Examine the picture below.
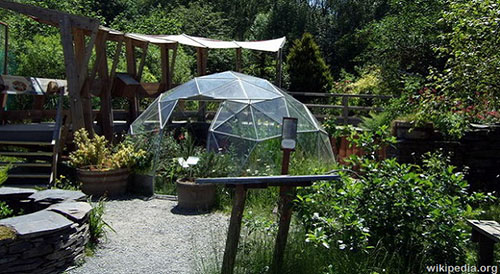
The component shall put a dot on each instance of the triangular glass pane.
(184, 91)
(221, 75)
(166, 108)
(255, 92)
(240, 125)
(275, 109)
(207, 85)
(148, 121)
(227, 110)
(232, 90)
(304, 123)
(265, 125)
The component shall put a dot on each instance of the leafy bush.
(96, 153)
(415, 210)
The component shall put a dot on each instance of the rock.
(75, 211)
(37, 251)
(53, 196)
(15, 193)
(37, 223)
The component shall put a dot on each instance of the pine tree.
(308, 70)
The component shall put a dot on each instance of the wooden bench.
(487, 234)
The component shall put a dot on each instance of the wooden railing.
(345, 116)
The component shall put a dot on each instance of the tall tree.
(308, 71)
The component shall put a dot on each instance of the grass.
(97, 226)
(256, 247)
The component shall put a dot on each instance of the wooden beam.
(279, 65)
(51, 16)
(71, 74)
(83, 84)
(132, 70)
(142, 62)
(106, 112)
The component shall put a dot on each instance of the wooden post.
(106, 113)
(202, 70)
(279, 65)
(170, 83)
(165, 67)
(80, 55)
(132, 70)
(345, 109)
(287, 193)
(486, 250)
(233, 233)
(77, 117)
(238, 59)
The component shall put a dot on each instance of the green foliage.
(5, 210)
(471, 49)
(308, 71)
(97, 225)
(42, 57)
(96, 153)
(417, 211)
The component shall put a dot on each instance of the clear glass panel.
(276, 109)
(232, 90)
(326, 148)
(148, 121)
(304, 122)
(207, 85)
(189, 89)
(265, 125)
(256, 92)
(227, 110)
(264, 159)
(240, 125)
(166, 108)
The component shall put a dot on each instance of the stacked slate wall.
(48, 240)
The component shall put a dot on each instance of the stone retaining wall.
(48, 240)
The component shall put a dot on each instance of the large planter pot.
(98, 183)
(406, 130)
(192, 196)
(142, 184)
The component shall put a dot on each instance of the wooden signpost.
(287, 186)
(241, 185)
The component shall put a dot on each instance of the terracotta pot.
(194, 196)
(97, 183)
(142, 185)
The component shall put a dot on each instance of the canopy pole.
(202, 54)
(279, 65)
(238, 59)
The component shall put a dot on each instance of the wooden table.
(487, 234)
(287, 186)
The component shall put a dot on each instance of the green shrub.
(415, 210)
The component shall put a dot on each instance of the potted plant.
(102, 168)
(143, 171)
(200, 197)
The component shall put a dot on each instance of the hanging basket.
(98, 183)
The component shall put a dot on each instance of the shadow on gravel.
(125, 197)
(181, 211)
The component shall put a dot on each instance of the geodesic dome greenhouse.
(248, 119)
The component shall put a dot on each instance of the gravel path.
(153, 237)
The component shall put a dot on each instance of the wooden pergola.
(80, 36)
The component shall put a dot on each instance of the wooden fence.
(346, 116)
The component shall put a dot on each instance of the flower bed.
(51, 237)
